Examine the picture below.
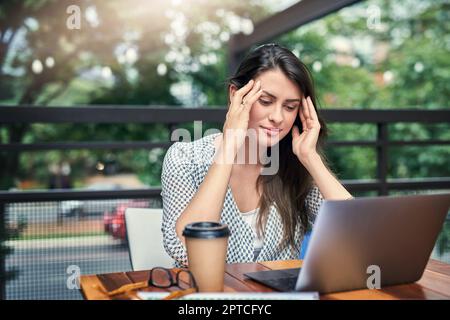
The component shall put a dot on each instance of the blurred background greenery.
(376, 54)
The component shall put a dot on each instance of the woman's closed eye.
(266, 102)
(291, 108)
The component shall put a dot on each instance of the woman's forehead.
(276, 83)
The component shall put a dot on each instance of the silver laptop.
(387, 237)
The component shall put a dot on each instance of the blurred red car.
(114, 222)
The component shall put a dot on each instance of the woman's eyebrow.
(274, 97)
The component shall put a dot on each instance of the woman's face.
(273, 114)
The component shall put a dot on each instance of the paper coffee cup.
(206, 244)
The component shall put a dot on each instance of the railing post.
(382, 157)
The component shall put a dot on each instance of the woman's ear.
(231, 90)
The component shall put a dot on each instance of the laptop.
(353, 240)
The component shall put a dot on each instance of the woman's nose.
(276, 115)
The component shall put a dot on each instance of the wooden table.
(435, 283)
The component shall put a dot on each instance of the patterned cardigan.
(184, 169)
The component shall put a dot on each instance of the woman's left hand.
(304, 144)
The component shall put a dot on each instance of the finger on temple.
(249, 103)
(312, 111)
(252, 92)
(305, 108)
(302, 118)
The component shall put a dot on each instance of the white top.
(251, 217)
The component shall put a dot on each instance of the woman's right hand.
(238, 115)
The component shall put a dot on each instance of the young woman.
(271, 95)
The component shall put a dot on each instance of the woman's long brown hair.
(290, 185)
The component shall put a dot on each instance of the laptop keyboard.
(282, 284)
(281, 280)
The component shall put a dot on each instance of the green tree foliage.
(112, 59)
(414, 73)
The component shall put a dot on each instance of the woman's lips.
(271, 132)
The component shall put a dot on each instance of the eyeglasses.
(161, 278)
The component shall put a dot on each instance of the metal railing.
(172, 116)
